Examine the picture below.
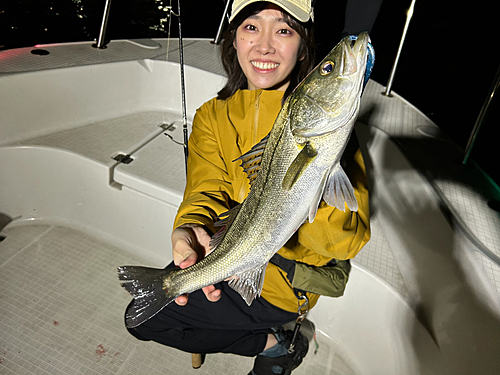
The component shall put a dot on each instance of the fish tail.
(147, 287)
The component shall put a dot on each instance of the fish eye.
(326, 68)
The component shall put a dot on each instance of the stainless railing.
(221, 24)
(409, 15)
(102, 32)
(482, 115)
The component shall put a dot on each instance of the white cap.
(300, 9)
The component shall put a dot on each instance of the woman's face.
(267, 49)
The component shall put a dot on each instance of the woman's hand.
(190, 243)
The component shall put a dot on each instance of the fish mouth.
(354, 54)
(264, 65)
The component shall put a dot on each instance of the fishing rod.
(183, 86)
(168, 18)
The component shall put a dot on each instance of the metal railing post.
(104, 24)
(409, 15)
(221, 25)
(481, 116)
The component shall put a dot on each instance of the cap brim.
(290, 8)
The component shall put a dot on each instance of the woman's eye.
(250, 27)
(284, 31)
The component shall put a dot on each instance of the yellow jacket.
(223, 130)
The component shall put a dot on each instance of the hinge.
(122, 158)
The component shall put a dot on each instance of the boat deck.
(62, 313)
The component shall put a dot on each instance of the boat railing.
(104, 23)
(482, 116)
(218, 36)
(409, 16)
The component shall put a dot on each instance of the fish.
(295, 166)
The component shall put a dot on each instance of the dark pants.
(226, 326)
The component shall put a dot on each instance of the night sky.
(447, 66)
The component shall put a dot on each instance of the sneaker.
(282, 365)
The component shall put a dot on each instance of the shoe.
(282, 365)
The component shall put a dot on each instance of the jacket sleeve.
(208, 188)
(333, 233)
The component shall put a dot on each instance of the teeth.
(264, 66)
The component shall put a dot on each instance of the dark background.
(447, 66)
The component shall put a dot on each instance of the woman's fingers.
(186, 249)
(189, 260)
(212, 294)
(182, 300)
(187, 241)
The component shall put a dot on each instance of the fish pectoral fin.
(249, 284)
(298, 166)
(339, 191)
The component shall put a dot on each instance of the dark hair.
(237, 79)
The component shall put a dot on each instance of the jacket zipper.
(243, 191)
(256, 120)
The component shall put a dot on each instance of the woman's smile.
(264, 66)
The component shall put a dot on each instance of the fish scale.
(299, 166)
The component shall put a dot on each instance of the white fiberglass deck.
(424, 295)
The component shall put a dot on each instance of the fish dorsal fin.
(250, 161)
(299, 165)
(339, 190)
(249, 284)
(226, 219)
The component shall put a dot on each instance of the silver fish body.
(300, 165)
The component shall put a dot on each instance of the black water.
(447, 66)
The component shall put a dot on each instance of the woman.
(266, 51)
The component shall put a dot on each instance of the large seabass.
(295, 166)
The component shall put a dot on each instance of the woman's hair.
(237, 79)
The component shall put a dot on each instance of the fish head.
(328, 98)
